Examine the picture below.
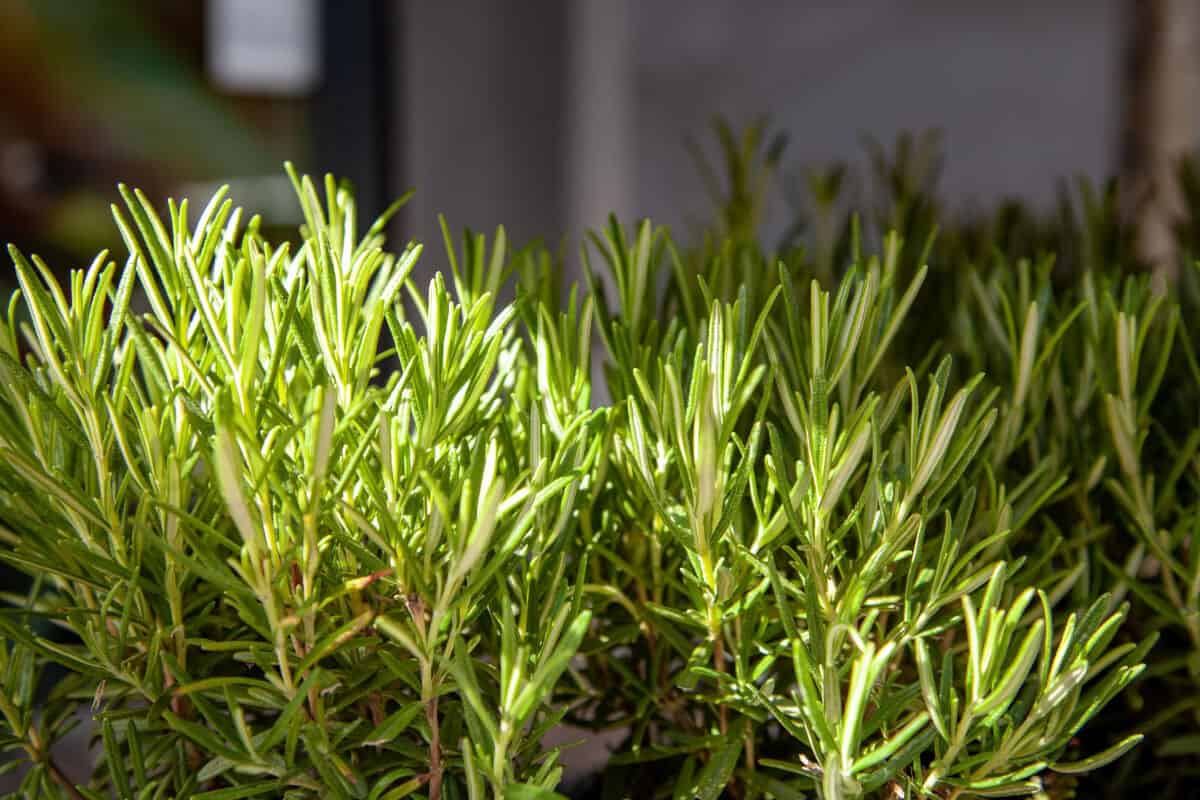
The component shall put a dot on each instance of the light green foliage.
(292, 568)
(313, 530)
(858, 588)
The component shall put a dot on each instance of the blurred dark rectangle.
(354, 125)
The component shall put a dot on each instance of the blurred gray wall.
(547, 114)
(1024, 91)
(482, 111)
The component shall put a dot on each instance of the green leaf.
(332, 641)
(238, 792)
(525, 791)
(891, 745)
(203, 737)
(716, 774)
(404, 789)
(394, 725)
(542, 682)
(113, 759)
(1111, 754)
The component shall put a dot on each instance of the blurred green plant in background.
(100, 92)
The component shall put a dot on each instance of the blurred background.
(548, 114)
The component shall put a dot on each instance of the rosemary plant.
(302, 528)
(287, 570)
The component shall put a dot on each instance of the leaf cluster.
(884, 516)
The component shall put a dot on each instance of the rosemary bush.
(302, 528)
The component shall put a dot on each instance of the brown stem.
(58, 777)
(719, 666)
(748, 748)
(182, 709)
(722, 711)
(435, 750)
(314, 694)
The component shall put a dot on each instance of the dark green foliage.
(880, 514)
